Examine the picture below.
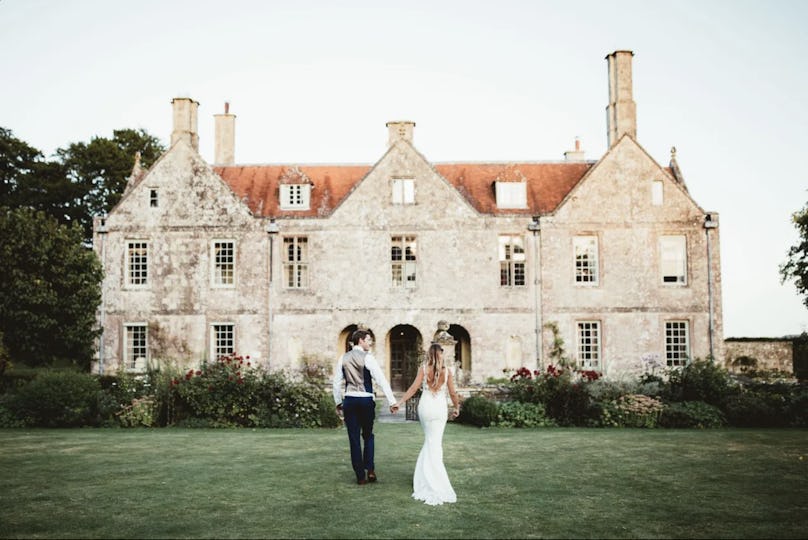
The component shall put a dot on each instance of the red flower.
(198, 372)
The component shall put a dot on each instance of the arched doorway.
(462, 347)
(406, 346)
(344, 342)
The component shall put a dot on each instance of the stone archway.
(344, 343)
(405, 346)
(462, 354)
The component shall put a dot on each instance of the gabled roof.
(547, 184)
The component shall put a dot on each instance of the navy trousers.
(359, 414)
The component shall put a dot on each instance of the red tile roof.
(547, 184)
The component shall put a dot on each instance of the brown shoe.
(371, 476)
(361, 481)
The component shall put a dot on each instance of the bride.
(430, 483)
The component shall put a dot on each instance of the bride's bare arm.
(453, 393)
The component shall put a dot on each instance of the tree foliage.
(49, 290)
(102, 167)
(796, 265)
(84, 179)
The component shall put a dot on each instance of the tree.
(49, 290)
(28, 180)
(796, 266)
(102, 167)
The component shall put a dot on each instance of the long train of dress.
(430, 483)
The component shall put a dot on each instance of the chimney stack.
(224, 147)
(575, 155)
(185, 114)
(400, 130)
(621, 113)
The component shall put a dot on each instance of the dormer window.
(403, 191)
(511, 194)
(295, 196)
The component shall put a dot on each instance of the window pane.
(224, 263)
(403, 260)
(136, 346)
(677, 343)
(586, 259)
(673, 259)
(137, 260)
(589, 344)
(295, 262)
(511, 261)
(223, 340)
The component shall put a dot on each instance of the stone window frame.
(295, 262)
(512, 262)
(586, 260)
(295, 196)
(222, 339)
(402, 190)
(677, 342)
(589, 341)
(134, 351)
(673, 260)
(404, 260)
(136, 264)
(223, 267)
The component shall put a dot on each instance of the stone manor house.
(282, 262)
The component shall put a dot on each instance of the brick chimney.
(621, 113)
(224, 147)
(575, 155)
(399, 130)
(185, 114)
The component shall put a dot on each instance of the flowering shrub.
(224, 391)
(141, 412)
(632, 410)
(561, 390)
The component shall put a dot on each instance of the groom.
(355, 372)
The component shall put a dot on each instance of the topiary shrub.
(478, 411)
(691, 414)
(63, 398)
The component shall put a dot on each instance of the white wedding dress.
(430, 483)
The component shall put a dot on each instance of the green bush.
(749, 409)
(691, 414)
(522, 415)
(796, 412)
(478, 411)
(563, 391)
(63, 398)
(701, 380)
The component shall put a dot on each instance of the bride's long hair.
(434, 360)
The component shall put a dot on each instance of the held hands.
(394, 408)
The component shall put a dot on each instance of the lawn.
(543, 483)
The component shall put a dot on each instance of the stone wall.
(770, 353)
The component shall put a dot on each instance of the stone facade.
(283, 262)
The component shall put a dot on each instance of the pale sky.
(725, 82)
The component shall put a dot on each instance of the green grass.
(545, 483)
